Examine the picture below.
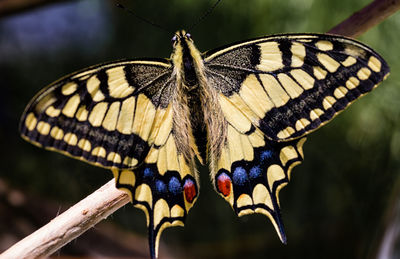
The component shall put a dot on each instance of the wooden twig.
(8, 7)
(107, 199)
(388, 245)
(70, 224)
(366, 18)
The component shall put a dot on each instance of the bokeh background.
(341, 201)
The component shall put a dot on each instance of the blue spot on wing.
(174, 186)
(239, 176)
(147, 173)
(265, 155)
(255, 172)
(161, 187)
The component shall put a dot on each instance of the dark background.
(340, 201)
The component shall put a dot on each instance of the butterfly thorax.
(187, 60)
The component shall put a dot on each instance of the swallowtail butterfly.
(243, 109)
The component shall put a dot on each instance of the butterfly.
(244, 109)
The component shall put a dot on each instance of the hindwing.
(289, 85)
(251, 171)
(164, 196)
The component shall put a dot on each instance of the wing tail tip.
(153, 242)
(282, 236)
(279, 227)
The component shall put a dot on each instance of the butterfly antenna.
(205, 14)
(141, 18)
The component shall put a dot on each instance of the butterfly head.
(179, 36)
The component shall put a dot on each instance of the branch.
(388, 245)
(8, 7)
(107, 199)
(366, 18)
(70, 224)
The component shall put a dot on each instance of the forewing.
(289, 85)
(108, 115)
(120, 116)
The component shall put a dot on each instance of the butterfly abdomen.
(197, 122)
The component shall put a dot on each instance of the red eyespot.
(224, 184)
(190, 190)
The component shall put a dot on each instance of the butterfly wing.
(272, 92)
(290, 85)
(120, 116)
(252, 169)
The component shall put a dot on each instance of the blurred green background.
(340, 201)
